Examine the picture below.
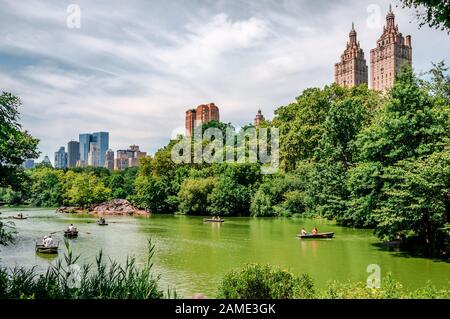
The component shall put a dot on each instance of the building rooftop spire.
(353, 34)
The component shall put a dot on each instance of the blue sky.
(134, 67)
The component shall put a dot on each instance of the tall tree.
(16, 145)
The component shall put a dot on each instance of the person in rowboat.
(303, 232)
(315, 231)
(71, 228)
(49, 241)
(44, 239)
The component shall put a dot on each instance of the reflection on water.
(192, 256)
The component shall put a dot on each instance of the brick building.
(392, 51)
(202, 114)
(352, 69)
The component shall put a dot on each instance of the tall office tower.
(258, 119)
(109, 159)
(352, 69)
(61, 158)
(84, 140)
(94, 155)
(392, 51)
(102, 141)
(73, 153)
(202, 114)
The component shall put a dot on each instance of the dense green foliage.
(257, 281)
(63, 281)
(16, 145)
(81, 187)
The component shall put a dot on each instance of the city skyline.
(134, 72)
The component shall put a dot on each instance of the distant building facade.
(128, 158)
(99, 142)
(258, 119)
(61, 158)
(28, 164)
(352, 69)
(94, 155)
(109, 159)
(81, 163)
(204, 113)
(392, 51)
(73, 153)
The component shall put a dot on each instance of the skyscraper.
(392, 51)
(73, 153)
(101, 142)
(84, 140)
(61, 158)
(352, 69)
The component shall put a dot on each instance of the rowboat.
(71, 234)
(318, 235)
(46, 250)
(20, 217)
(211, 220)
(102, 223)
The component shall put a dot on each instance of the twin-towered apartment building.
(386, 60)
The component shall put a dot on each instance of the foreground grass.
(111, 280)
(66, 280)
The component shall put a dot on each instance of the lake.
(193, 256)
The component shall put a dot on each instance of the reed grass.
(100, 280)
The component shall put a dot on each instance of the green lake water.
(193, 256)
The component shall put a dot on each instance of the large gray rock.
(112, 207)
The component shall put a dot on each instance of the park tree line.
(355, 156)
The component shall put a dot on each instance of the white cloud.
(134, 68)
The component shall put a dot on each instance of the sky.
(133, 68)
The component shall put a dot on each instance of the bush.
(264, 282)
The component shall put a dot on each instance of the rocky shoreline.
(118, 207)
